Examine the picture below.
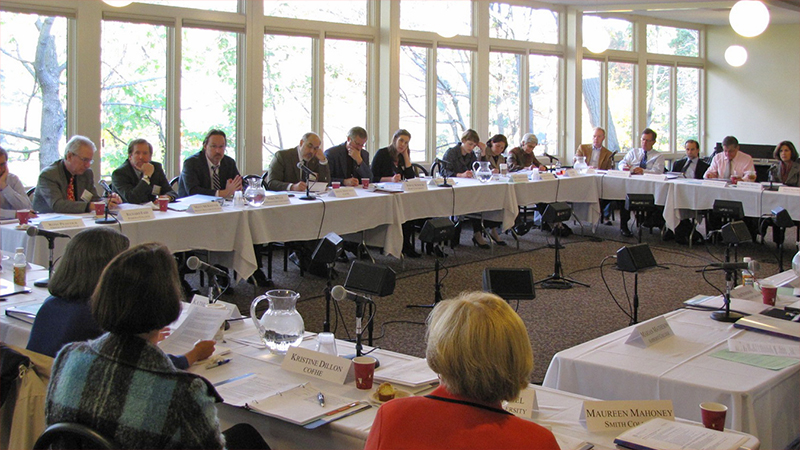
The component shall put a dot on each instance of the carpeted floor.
(556, 319)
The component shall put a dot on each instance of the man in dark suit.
(210, 171)
(139, 179)
(691, 167)
(284, 175)
(349, 162)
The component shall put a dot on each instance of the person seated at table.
(393, 164)
(596, 154)
(788, 170)
(691, 167)
(731, 165)
(65, 316)
(348, 161)
(67, 185)
(284, 173)
(139, 179)
(121, 384)
(522, 157)
(639, 161)
(493, 153)
(13, 192)
(481, 351)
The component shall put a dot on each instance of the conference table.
(682, 368)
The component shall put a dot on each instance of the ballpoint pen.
(217, 363)
(321, 399)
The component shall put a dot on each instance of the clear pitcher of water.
(255, 194)
(482, 171)
(580, 164)
(281, 326)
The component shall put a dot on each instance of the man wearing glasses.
(210, 171)
(67, 185)
(639, 161)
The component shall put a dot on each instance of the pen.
(343, 408)
(217, 363)
(586, 446)
(321, 399)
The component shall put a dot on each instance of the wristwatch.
(146, 179)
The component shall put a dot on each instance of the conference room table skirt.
(582, 192)
(680, 368)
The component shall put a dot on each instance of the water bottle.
(748, 278)
(20, 267)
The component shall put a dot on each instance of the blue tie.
(643, 162)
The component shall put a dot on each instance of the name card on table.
(517, 177)
(316, 364)
(715, 183)
(651, 332)
(591, 171)
(415, 185)
(622, 414)
(524, 405)
(547, 176)
(789, 190)
(572, 173)
(205, 207)
(276, 199)
(345, 192)
(136, 214)
(654, 176)
(61, 222)
(619, 173)
(749, 186)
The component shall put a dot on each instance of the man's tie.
(727, 169)
(71, 189)
(686, 167)
(215, 184)
(643, 162)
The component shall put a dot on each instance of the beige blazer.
(604, 163)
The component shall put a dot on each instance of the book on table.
(25, 313)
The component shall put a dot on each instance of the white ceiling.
(705, 12)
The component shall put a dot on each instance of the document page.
(411, 373)
(201, 323)
(668, 435)
(246, 389)
(299, 405)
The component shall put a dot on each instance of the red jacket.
(451, 422)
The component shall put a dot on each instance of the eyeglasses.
(85, 160)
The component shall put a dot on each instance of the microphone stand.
(51, 244)
(727, 315)
(437, 289)
(326, 325)
(360, 301)
(214, 291)
(106, 220)
(444, 176)
(305, 179)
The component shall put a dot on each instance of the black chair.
(73, 435)
(246, 180)
(30, 193)
(174, 183)
(419, 169)
(264, 179)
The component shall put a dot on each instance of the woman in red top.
(480, 348)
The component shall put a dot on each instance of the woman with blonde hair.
(480, 348)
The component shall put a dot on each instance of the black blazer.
(133, 189)
(699, 171)
(383, 166)
(195, 177)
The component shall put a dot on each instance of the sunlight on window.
(208, 5)
(673, 41)
(688, 112)
(454, 18)
(522, 23)
(544, 106)
(658, 101)
(413, 99)
(504, 95)
(453, 100)
(592, 99)
(620, 133)
(340, 11)
(345, 89)
(619, 31)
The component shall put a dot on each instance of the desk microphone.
(751, 265)
(339, 293)
(194, 263)
(33, 231)
(306, 170)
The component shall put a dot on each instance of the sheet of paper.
(764, 361)
(245, 390)
(670, 435)
(299, 405)
(764, 348)
(412, 373)
(200, 324)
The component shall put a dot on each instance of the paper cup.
(336, 184)
(365, 183)
(23, 215)
(99, 209)
(326, 343)
(163, 203)
(364, 369)
(768, 294)
(713, 415)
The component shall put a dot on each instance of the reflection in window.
(620, 31)
(619, 135)
(688, 112)
(504, 95)
(672, 41)
(208, 88)
(208, 5)
(446, 18)
(592, 99)
(345, 89)
(658, 101)
(522, 23)
(32, 92)
(413, 98)
(341, 11)
(134, 77)
(453, 84)
(543, 102)
(287, 93)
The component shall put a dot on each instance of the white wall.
(759, 103)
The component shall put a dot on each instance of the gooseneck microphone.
(306, 170)
(33, 231)
(194, 263)
(339, 293)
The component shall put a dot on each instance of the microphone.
(552, 158)
(105, 187)
(306, 170)
(33, 231)
(751, 265)
(442, 162)
(339, 293)
(194, 263)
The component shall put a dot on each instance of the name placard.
(621, 414)
(591, 171)
(524, 405)
(789, 190)
(651, 332)
(415, 185)
(276, 199)
(136, 214)
(518, 177)
(655, 176)
(547, 176)
(345, 192)
(749, 186)
(619, 173)
(316, 364)
(715, 183)
(572, 173)
(58, 224)
(205, 207)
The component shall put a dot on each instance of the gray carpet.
(556, 319)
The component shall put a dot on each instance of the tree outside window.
(658, 104)
(414, 98)
(341, 11)
(522, 23)
(453, 99)
(543, 106)
(345, 88)
(504, 94)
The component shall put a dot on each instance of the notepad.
(669, 435)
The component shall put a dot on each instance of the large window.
(544, 111)
(522, 23)
(504, 95)
(446, 18)
(453, 97)
(619, 132)
(592, 99)
(688, 112)
(345, 88)
(210, 5)
(340, 11)
(32, 91)
(620, 32)
(413, 98)
(673, 41)
(134, 76)
(658, 104)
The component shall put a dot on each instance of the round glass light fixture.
(749, 18)
(736, 55)
(117, 3)
(447, 32)
(595, 36)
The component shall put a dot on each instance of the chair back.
(73, 435)
(31, 193)
(419, 169)
(264, 179)
(174, 183)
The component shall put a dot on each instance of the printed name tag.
(276, 199)
(651, 332)
(547, 176)
(415, 185)
(205, 207)
(156, 189)
(519, 177)
(621, 414)
(749, 186)
(715, 183)
(316, 364)
(789, 190)
(619, 173)
(136, 214)
(58, 224)
(655, 176)
(87, 196)
(591, 171)
(524, 405)
(345, 192)
(571, 173)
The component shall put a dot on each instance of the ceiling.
(704, 12)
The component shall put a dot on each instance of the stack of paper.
(412, 373)
(668, 435)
